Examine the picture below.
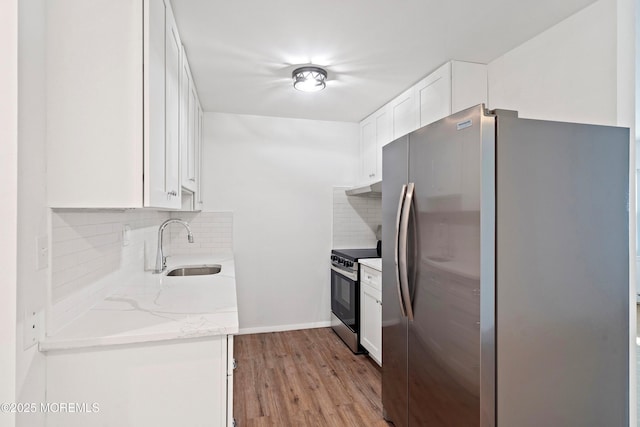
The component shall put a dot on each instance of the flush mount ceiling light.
(309, 79)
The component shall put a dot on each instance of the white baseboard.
(281, 328)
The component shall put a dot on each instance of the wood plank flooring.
(304, 378)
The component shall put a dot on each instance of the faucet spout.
(161, 260)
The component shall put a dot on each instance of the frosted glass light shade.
(309, 79)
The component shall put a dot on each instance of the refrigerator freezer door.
(562, 274)
(394, 320)
(444, 337)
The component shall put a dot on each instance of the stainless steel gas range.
(345, 294)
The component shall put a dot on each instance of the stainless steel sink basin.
(195, 270)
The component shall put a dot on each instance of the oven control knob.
(350, 264)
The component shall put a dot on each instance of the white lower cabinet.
(371, 312)
(170, 383)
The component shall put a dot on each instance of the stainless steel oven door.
(344, 297)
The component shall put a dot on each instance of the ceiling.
(242, 52)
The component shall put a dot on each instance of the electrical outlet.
(42, 252)
(32, 327)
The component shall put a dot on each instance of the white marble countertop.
(375, 263)
(158, 308)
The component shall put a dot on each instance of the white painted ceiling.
(242, 52)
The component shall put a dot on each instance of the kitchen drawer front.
(371, 277)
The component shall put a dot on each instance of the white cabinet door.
(384, 135)
(434, 95)
(198, 163)
(189, 105)
(155, 191)
(371, 321)
(185, 120)
(190, 140)
(368, 149)
(162, 80)
(173, 50)
(468, 85)
(404, 113)
(375, 132)
(231, 366)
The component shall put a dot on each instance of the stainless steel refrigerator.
(505, 273)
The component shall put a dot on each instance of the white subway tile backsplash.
(88, 256)
(355, 220)
(212, 232)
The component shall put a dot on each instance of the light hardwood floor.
(304, 378)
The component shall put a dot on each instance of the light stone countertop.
(158, 308)
(375, 263)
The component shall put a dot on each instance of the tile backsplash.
(212, 233)
(355, 220)
(94, 251)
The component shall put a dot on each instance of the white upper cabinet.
(162, 109)
(113, 85)
(434, 95)
(368, 149)
(190, 139)
(173, 58)
(451, 88)
(404, 113)
(375, 131)
(198, 164)
(187, 141)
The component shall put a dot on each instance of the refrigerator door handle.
(403, 194)
(403, 243)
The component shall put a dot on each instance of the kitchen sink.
(195, 270)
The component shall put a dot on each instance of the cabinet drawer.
(371, 277)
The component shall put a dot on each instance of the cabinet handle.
(235, 363)
(172, 193)
(192, 179)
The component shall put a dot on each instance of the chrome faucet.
(161, 260)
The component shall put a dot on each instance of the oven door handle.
(396, 252)
(352, 275)
(403, 244)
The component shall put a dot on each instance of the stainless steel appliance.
(345, 294)
(505, 273)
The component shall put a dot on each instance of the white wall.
(8, 195)
(567, 73)
(32, 210)
(277, 176)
